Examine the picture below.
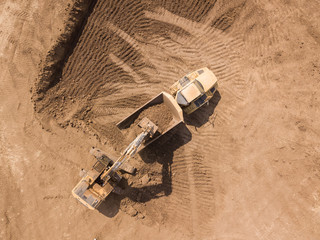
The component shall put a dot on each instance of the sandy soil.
(245, 167)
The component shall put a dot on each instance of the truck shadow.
(202, 115)
(161, 152)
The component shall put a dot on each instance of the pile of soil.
(111, 135)
(51, 67)
(159, 114)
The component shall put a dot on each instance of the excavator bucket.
(145, 123)
(162, 98)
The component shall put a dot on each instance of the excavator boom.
(131, 150)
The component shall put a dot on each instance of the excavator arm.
(149, 129)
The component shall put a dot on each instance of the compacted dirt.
(245, 167)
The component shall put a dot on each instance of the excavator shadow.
(161, 152)
(202, 115)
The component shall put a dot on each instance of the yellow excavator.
(187, 95)
(104, 176)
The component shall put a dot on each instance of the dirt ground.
(245, 167)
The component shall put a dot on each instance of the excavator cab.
(92, 188)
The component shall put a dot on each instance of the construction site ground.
(245, 167)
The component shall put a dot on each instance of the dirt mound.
(127, 52)
(51, 67)
(110, 134)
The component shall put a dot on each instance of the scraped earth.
(245, 167)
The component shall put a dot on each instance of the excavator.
(187, 95)
(105, 174)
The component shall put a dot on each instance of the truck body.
(171, 104)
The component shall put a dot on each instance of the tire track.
(266, 37)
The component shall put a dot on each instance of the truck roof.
(207, 79)
(190, 92)
(202, 81)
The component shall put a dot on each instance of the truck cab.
(195, 89)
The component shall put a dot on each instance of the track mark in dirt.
(194, 184)
(267, 36)
(227, 14)
(54, 197)
(189, 9)
(47, 168)
(279, 194)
